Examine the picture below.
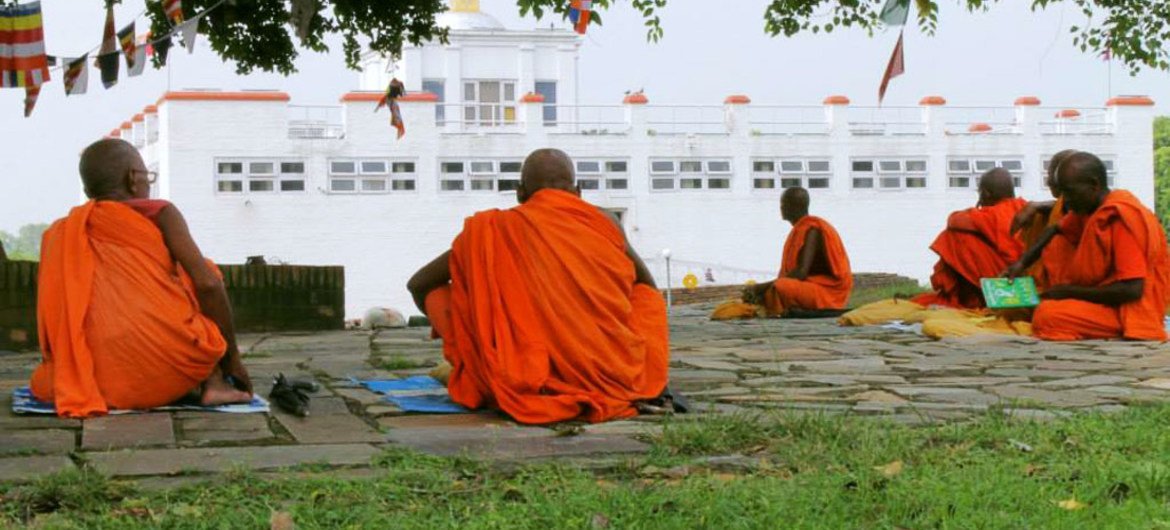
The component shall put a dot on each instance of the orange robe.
(119, 323)
(1058, 252)
(543, 320)
(1119, 234)
(828, 284)
(966, 257)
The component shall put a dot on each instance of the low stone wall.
(720, 293)
(264, 298)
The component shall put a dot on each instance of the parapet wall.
(264, 298)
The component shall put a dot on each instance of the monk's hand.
(1024, 217)
(1013, 271)
(1059, 292)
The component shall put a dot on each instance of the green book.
(1002, 293)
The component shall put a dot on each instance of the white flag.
(76, 75)
(189, 29)
(139, 59)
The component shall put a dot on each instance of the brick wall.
(264, 298)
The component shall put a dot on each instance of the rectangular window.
(288, 168)
(373, 167)
(891, 182)
(792, 166)
(959, 182)
(915, 182)
(690, 166)
(589, 184)
(662, 167)
(863, 183)
(890, 166)
(1012, 165)
(402, 185)
(483, 168)
(788, 182)
(662, 184)
(342, 167)
(763, 166)
(818, 166)
(764, 184)
(231, 186)
(261, 168)
(959, 166)
(438, 88)
(402, 167)
(482, 184)
(616, 166)
(451, 167)
(818, 183)
(617, 184)
(548, 89)
(373, 185)
(863, 166)
(292, 185)
(342, 185)
(510, 167)
(916, 166)
(718, 167)
(718, 184)
(590, 167)
(690, 184)
(230, 168)
(984, 165)
(451, 185)
(508, 184)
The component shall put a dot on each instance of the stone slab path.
(804, 366)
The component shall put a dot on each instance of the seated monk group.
(976, 243)
(544, 309)
(129, 313)
(814, 270)
(1106, 266)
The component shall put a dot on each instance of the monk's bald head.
(1053, 165)
(1083, 181)
(545, 169)
(105, 165)
(996, 185)
(794, 204)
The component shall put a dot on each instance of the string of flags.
(894, 13)
(394, 91)
(24, 63)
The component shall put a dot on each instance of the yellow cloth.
(881, 312)
(736, 310)
(936, 323)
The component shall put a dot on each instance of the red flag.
(896, 68)
(126, 38)
(107, 60)
(30, 99)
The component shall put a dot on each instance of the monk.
(976, 244)
(130, 315)
(1115, 284)
(814, 272)
(545, 311)
(1030, 223)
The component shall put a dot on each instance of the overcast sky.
(706, 54)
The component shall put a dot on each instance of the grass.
(864, 296)
(802, 472)
(395, 362)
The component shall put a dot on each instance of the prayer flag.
(139, 58)
(394, 91)
(579, 13)
(31, 93)
(896, 68)
(895, 12)
(174, 10)
(76, 75)
(158, 47)
(189, 30)
(126, 38)
(107, 60)
(23, 62)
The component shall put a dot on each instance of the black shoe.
(289, 398)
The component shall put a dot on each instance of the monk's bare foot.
(217, 391)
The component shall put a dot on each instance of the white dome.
(457, 20)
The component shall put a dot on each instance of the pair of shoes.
(292, 396)
(667, 402)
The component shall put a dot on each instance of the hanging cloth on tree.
(107, 60)
(579, 13)
(394, 91)
(22, 46)
(76, 75)
(129, 47)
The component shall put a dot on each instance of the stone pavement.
(807, 366)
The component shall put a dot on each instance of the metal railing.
(686, 119)
(788, 120)
(886, 121)
(315, 122)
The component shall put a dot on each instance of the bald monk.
(1037, 216)
(814, 273)
(129, 313)
(976, 244)
(545, 311)
(1115, 284)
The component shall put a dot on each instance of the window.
(502, 175)
(548, 89)
(793, 173)
(489, 103)
(481, 167)
(1110, 171)
(964, 172)
(890, 174)
(374, 176)
(763, 166)
(589, 167)
(509, 176)
(792, 166)
(452, 167)
(616, 166)
(863, 166)
(863, 174)
(713, 174)
(438, 88)
(259, 176)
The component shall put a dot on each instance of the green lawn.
(798, 472)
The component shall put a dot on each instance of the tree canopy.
(255, 34)
(25, 244)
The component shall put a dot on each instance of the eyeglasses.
(151, 176)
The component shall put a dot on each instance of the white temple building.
(256, 174)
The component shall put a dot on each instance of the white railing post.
(636, 113)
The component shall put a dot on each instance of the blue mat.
(421, 393)
(23, 402)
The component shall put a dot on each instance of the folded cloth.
(422, 394)
(23, 402)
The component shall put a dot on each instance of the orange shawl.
(1092, 262)
(838, 283)
(118, 321)
(966, 257)
(547, 323)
